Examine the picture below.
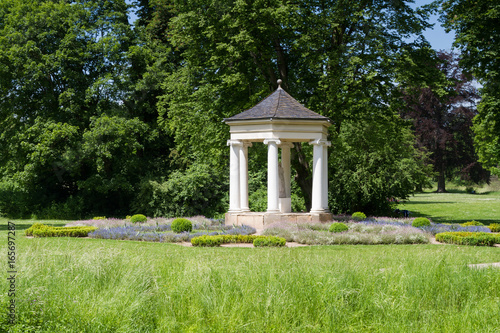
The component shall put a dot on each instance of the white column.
(286, 202)
(244, 177)
(325, 176)
(318, 174)
(272, 175)
(234, 175)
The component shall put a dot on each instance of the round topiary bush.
(476, 223)
(420, 222)
(358, 216)
(338, 227)
(138, 218)
(181, 225)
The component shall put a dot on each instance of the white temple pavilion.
(278, 121)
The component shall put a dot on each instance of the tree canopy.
(478, 38)
(102, 116)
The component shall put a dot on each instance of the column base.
(260, 220)
(285, 205)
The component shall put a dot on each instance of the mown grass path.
(455, 207)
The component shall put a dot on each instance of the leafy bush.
(469, 223)
(99, 218)
(42, 230)
(494, 227)
(138, 218)
(358, 216)
(211, 241)
(468, 238)
(338, 227)
(261, 241)
(421, 222)
(197, 190)
(181, 225)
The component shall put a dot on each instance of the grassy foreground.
(91, 285)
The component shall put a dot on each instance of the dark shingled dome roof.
(278, 105)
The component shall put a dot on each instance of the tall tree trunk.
(303, 175)
(441, 181)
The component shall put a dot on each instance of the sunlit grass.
(455, 207)
(90, 285)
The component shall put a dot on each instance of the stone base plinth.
(259, 220)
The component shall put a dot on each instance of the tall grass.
(90, 285)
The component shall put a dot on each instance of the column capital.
(234, 143)
(247, 144)
(321, 142)
(268, 141)
(286, 145)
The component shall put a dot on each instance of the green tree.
(442, 111)
(339, 58)
(75, 108)
(477, 37)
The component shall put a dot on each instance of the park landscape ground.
(101, 285)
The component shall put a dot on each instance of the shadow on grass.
(428, 202)
(23, 225)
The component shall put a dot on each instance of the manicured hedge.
(247, 239)
(495, 227)
(358, 216)
(269, 241)
(468, 238)
(338, 227)
(181, 225)
(137, 218)
(42, 230)
(421, 222)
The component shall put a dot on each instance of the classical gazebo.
(277, 121)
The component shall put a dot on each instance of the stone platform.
(259, 220)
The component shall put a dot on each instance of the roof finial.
(279, 83)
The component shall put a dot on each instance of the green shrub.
(181, 225)
(495, 227)
(338, 227)
(138, 218)
(99, 218)
(468, 238)
(211, 241)
(420, 222)
(261, 241)
(358, 216)
(42, 230)
(208, 241)
(466, 224)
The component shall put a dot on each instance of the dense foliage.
(477, 37)
(442, 113)
(101, 116)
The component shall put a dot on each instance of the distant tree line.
(102, 116)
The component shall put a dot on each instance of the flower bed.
(162, 233)
(365, 232)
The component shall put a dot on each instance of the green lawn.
(92, 285)
(455, 207)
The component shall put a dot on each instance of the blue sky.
(439, 39)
